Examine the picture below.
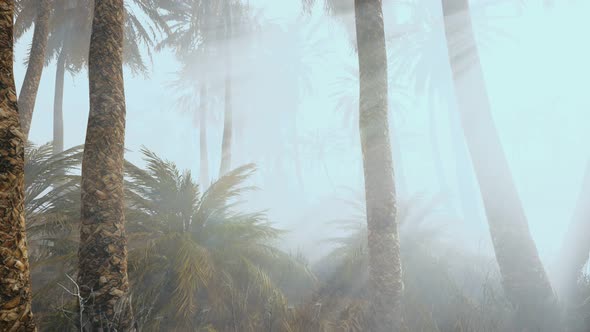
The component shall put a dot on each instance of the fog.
(295, 93)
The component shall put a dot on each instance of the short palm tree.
(197, 260)
(52, 206)
(36, 60)
(232, 259)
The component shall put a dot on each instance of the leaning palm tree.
(524, 278)
(385, 275)
(36, 62)
(15, 289)
(102, 274)
(196, 28)
(575, 248)
(68, 35)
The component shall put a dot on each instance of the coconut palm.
(524, 278)
(383, 242)
(102, 258)
(15, 289)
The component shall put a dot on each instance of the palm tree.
(68, 37)
(102, 274)
(226, 144)
(71, 35)
(204, 155)
(383, 243)
(195, 29)
(52, 205)
(235, 250)
(15, 289)
(189, 38)
(524, 278)
(197, 260)
(36, 62)
(194, 97)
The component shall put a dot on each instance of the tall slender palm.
(70, 38)
(524, 278)
(385, 275)
(67, 39)
(102, 273)
(189, 25)
(204, 155)
(15, 288)
(226, 144)
(196, 28)
(36, 62)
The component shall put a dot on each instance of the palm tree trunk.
(15, 281)
(226, 144)
(524, 278)
(58, 99)
(385, 275)
(204, 159)
(28, 91)
(102, 273)
(575, 249)
(227, 130)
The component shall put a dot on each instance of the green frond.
(194, 270)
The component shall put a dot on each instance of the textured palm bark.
(385, 274)
(226, 144)
(204, 158)
(525, 281)
(102, 256)
(15, 281)
(28, 92)
(58, 101)
(575, 249)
